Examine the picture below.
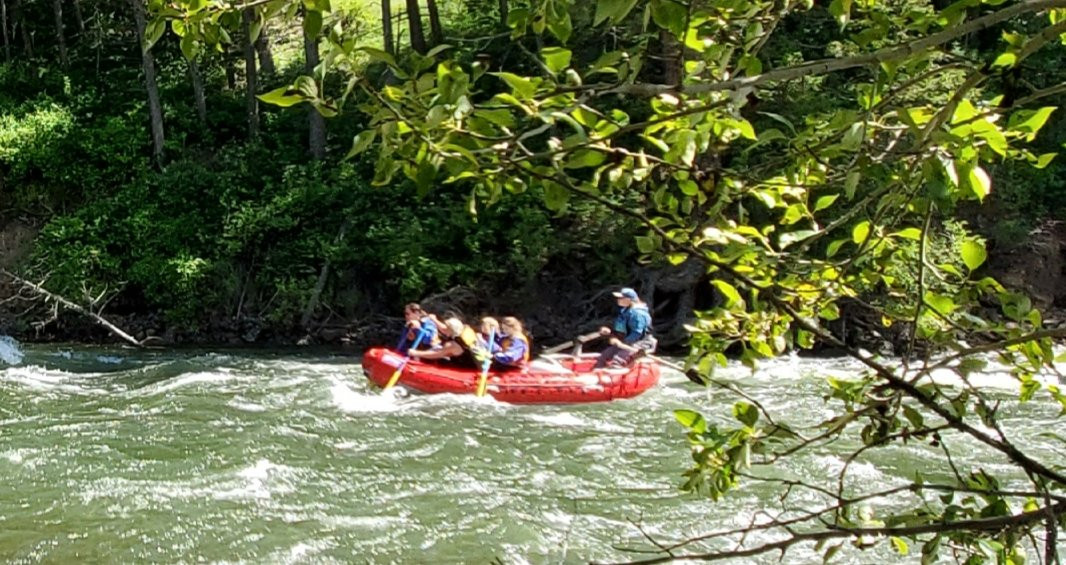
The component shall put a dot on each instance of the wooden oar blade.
(568, 344)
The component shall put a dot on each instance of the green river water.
(122, 456)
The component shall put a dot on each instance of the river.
(117, 455)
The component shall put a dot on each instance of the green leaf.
(980, 183)
(559, 23)
(646, 244)
(792, 237)
(498, 116)
(913, 416)
(729, 291)
(361, 142)
(900, 546)
(669, 15)
(746, 131)
(834, 247)
(556, 58)
(584, 158)
(860, 232)
(614, 10)
(940, 303)
(556, 196)
(190, 47)
(841, 11)
(521, 87)
(852, 139)
(312, 23)
(973, 253)
(909, 233)
(1029, 121)
(1044, 160)
(746, 413)
(971, 365)
(851, 182)
(692, 420)
(825, 201)
(379, 56)
(285, 96)
(153, 31)
(793, 214)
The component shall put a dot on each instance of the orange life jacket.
(508, 340)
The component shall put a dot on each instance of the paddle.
(483, 379)
(407, 357)
(579, 339)
(691, 373)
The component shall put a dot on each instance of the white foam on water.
(110, 359)
(561, 419)
(262, 480)
(354, 402)
(568, 420)
(10, 352)
(239, 403)
(50, 380)
(213, 377)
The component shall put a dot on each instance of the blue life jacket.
(633, 323)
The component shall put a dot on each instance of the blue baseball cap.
(626, 293)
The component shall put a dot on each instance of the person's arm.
(430, 327)
(513, 354)
(408, 337)
(450, 349)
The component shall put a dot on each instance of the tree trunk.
(78, 17)
(436, 34)
(155, 108)
(503, 12)
(3, 22)
(57, 9)
(320, 284)
(316, 123)
(230, 69)
(198, 91)
(250, 74)
(20, 23)
(671, 54)
(386, 26)
(266, 58)
(414, 25)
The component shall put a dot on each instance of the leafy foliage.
(791, 210)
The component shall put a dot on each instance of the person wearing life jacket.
(418, 321)
(630, 333)
(459, 345)
(514, 346)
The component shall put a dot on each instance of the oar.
(565, 345)
(690, 373)
(407, 357)
(483, 379)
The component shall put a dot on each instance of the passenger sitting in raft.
(418, 321)
(514, 347)
(459, 345)
(489, 330)
(630, 333)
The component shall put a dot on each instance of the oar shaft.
(483, 379)
(395, 378)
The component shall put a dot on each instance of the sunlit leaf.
(973, 253)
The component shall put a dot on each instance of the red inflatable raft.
(557, 380)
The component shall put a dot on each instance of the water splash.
(10, 352)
